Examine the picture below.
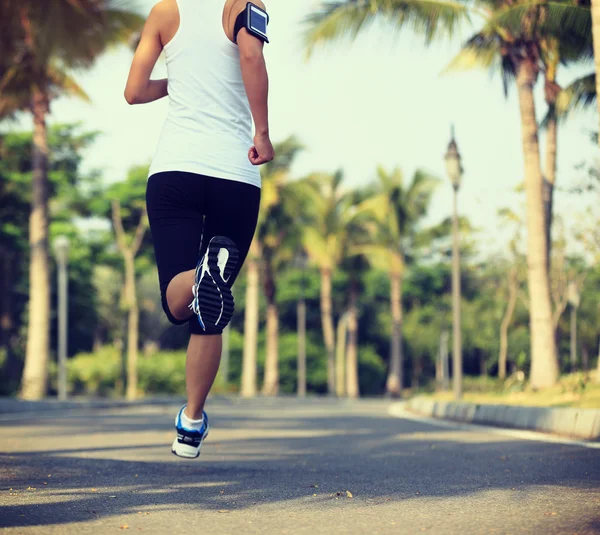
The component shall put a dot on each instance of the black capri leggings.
(186, 211)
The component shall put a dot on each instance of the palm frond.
(377, 255)
(578, 95)
(342, 19)
(76, 32)
(316, 246)
(485, 50)
(471, 57)
(61, 83)
(539, 18)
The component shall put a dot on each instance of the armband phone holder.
(255, 20)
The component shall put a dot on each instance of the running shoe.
(188, 442)
(213, 302)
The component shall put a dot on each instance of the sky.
(380, 100)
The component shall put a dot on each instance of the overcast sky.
(379, 100)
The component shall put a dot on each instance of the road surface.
(277, 466)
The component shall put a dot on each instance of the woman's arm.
(140, 89)
(256, 82)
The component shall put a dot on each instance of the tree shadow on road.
(122, 464)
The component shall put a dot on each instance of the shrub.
(95, 373)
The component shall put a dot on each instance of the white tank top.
(208, 129)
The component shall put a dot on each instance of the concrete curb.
(576, 423)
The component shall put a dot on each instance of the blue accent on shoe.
(179, 425)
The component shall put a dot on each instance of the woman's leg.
(179, 294)
(201, 366)
(232, 211)
(175, 211)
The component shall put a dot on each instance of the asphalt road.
(282, 466)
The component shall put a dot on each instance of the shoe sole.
(185, 451)
(215, 301)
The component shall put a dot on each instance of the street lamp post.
(455, 170)
(443, 356)
(573, 298)
(61, 250)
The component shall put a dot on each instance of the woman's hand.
(262, 151)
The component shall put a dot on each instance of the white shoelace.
(194, 305)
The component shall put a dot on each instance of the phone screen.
(258, 20)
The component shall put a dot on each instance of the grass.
(577, 390)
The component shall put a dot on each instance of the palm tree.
(277, 236)
(513, 288)
(346, 18)
(510, 38)
(252, 266)
(356, 266)
(520, 39)
(563, 47)
(396, 210)
(41, 42)
(325, 238)
(276, 200)
(596, 36)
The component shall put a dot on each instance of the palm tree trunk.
(340, 356)
(301, 327)
(395, 380)
(550, 166)
(598, 365)
(133, 320)
(596, 37)
(352, 385)
(512, 301)
(6, 307)
(271, 382)
(327, 323)
(544, 365)
(271, 378)
(483, 372)
(35, 373)
(248, 388)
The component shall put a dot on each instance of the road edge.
(573, 423)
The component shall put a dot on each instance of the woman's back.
(208, 128)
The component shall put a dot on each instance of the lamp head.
(453, 162)
(61, 248)
(573, 294)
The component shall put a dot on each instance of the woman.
(203, 190)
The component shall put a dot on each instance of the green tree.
(513, 283)
(41, 44)
(397, 210)
(330, 212)
(67, 186)
(124, 204)
(128, 205)
(277, 236)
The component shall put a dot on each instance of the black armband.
(255, 20)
